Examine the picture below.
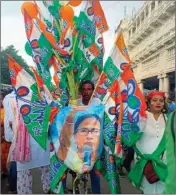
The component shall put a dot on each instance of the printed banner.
(77, 136)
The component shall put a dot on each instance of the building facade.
(150, 40)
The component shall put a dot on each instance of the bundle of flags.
(67, 49)
(76, 43)
(124, 106)
(124, 101)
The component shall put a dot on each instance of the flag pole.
(96, 87)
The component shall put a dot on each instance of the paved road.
(126, 186)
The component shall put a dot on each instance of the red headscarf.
(156, 93)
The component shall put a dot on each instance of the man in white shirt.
(86, 89)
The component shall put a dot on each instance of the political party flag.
(91, 49)
(107, 167)
(57, 71)
(67, 37)
(35, 111)
(43, 91)
(53, 8)
(170, 130)
(47, 12)
(124, 104)
(90, 19)
(63, 27)
(99, 40)
(45, 94)
(41, 49)
(57, 170)
(130, 104)
(37, 39)
(134, 105)
(87, 63)
(50, 37)
(100, 19)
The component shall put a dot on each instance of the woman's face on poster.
(88, 133)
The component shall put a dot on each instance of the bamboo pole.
(74, 46)
(57, 26)
(96, 86)
(58, 57)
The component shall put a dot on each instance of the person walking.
(5, 145)
(150, 170)
(8, 135)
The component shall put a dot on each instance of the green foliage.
(10, 50)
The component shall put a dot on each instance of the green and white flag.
(170, 187)
(35, 111)
(41, 49)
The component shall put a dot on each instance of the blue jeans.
(13, 176)
(95, 182)
(64, 182)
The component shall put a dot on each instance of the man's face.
(88, 133)
(86, 91)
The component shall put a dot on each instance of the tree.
(10, 50)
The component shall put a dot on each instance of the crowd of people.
(146, 162)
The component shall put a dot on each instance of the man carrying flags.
(86, 90)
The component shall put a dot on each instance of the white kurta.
(93, 102)
(8, 116)
(153, 133)
(39, 157)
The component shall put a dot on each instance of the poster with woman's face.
(77, 136)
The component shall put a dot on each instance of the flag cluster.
(67, 49)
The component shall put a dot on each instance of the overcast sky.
(12, 23)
